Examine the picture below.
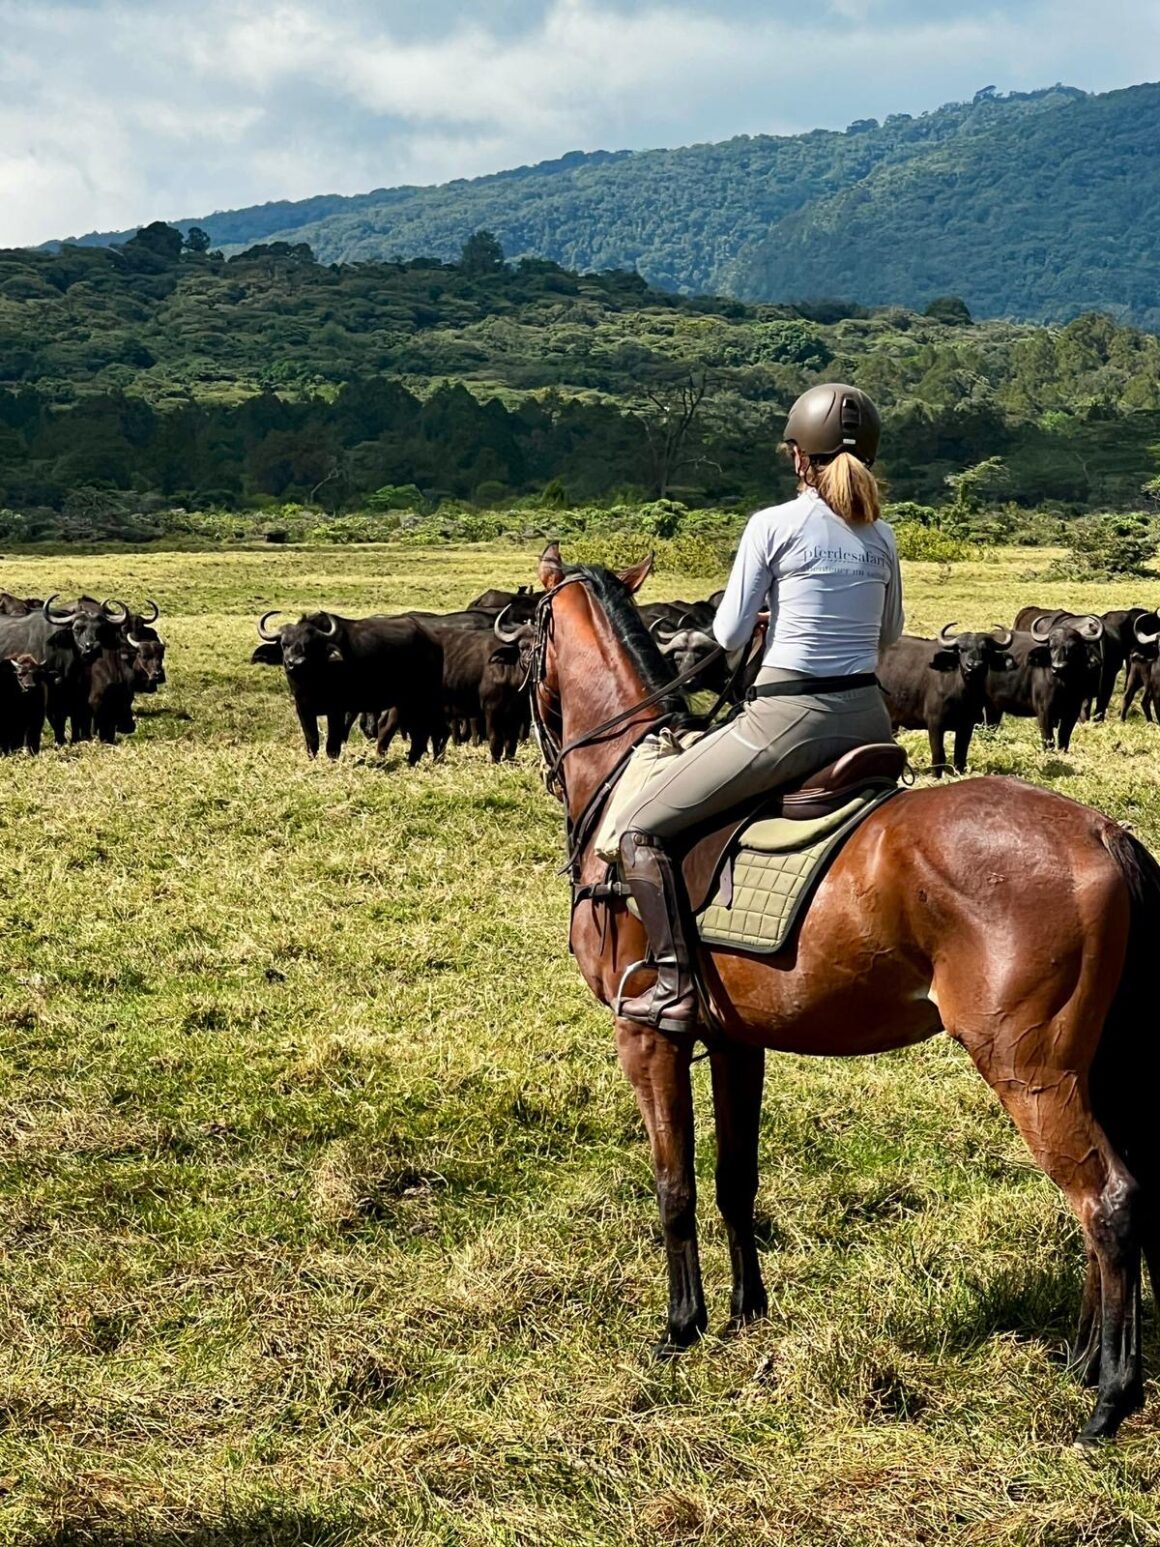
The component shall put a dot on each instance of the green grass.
(325, 1211)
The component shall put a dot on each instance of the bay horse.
(1017, 921)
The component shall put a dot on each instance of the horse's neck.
(597, 681)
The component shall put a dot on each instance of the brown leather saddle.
(817, 795)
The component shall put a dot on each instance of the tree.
(157, 238)
(481, 256)
(951, 310)
(972, 486)
(669, 415)
(196, 241)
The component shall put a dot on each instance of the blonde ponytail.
(849, 488)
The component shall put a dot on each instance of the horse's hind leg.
(658, 1067)
(1050, 1107)
(1083, 1358)
(738, 1075)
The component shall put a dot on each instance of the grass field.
(325, 1211)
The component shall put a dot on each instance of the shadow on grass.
(1032, 1304)
(1056, 768)
(273, 1528)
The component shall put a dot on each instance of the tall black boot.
(671, 1004)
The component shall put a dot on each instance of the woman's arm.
(744, 598)
(892, 620)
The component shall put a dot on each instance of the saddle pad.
(773, 877)
(781, 834)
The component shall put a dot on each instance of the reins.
(580, 830)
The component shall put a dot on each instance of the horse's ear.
(551, 567)
(635, 577)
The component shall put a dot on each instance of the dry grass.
(325, 1214)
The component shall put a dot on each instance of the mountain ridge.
(1038, 205)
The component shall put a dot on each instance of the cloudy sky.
(114, 112)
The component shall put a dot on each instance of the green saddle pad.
(774, 871)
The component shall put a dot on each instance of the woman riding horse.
(1019, 923)
(827, 570)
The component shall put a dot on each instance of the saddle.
(818, 795)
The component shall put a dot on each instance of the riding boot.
(671, 1003)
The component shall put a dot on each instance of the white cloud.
(118, 111)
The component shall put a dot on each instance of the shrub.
(1107, 548)
(929, 544)
(691, 555)
(397, 496)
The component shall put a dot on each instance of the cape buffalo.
(940, 685)
(1050, 678)
(337, 668)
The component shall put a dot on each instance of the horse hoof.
(673, 1344)
(739, 1320)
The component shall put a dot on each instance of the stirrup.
(641, 966)
(681, 1028)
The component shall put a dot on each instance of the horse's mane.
(632, 631)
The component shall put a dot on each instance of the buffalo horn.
(59, 618)
(1003, 637)
(1091, 628)
(134, 641)
(948, 635)
(1041, 627)
(331, 628)
(664, 624)
(264, 631)
(507, 635)
(115, 611)
(156, 613)
(1145, 638)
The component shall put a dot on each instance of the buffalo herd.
(436, 677)
(1052, 666)
(79, 665)
(432, 678)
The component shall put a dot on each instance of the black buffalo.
(67, 640)
(683, 645)
(940, 685)
(148, 649)
(1050, 679)
(678, 614)
(1144, 666)
(484, 687)
(23, 697)
(520, 604)
(97, 628)
(338, 668)
(111, 683)
(1108, 652)
(19, 606)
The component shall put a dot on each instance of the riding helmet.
(833, 418)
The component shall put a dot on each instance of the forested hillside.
(160, 370)
(1040, 205)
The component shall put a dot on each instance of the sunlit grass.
(325, 1213)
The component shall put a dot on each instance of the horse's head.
(573, 616)
(553, 575)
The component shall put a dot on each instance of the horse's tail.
(1125, 1078)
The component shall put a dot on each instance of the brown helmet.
(833, 418)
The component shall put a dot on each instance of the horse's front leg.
(738, 1076)
(658, 1067)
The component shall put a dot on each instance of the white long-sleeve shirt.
(834, 591)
